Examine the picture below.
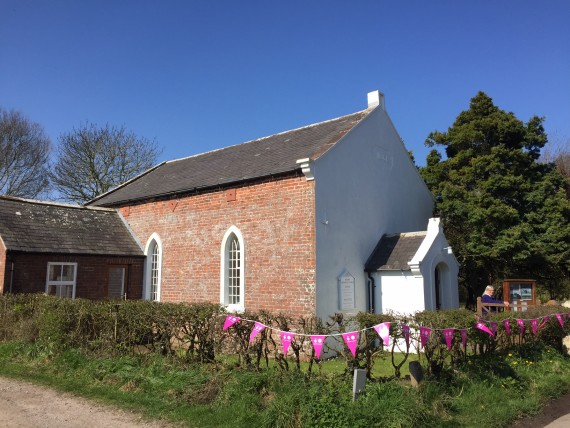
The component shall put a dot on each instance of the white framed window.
(61, 279)
(153, 268)
(232, 271)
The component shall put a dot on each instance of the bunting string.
(383, 330)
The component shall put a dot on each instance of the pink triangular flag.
(521, 325)
(544, 321)
(406, 331)
(507, 326)
(484, 328)
(534, 325)
(493, 327)
(383, 331)
(257, 328)
(286, 338)
(464, 338)
(560, 320)
(448, 335)
(230, 320)
(351, 340)
(318, 342)
(424, 335)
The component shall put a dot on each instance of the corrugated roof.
(42, 227)
(264, 157)
(393, 252)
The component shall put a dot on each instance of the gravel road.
(27, 405)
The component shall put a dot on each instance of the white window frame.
(154, 238)
(224, 266)
(59, 283)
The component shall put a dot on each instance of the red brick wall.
(30, 272)
(277, 221)
(3, 267)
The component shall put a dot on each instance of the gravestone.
(416, 373)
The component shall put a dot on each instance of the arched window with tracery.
(232, 283)
(153, 271)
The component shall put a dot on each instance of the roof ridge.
(56, 204)
(270, 136)
(136, 177)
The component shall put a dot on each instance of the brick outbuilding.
(68, 251)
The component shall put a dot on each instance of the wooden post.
(359, 383)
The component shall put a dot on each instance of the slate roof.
(269, 156)
(42, 227)
(393, 252)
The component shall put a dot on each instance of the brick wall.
(3, 267)
(276, 219)
(30, 272)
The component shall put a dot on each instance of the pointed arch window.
(232, 273)
(153, 270)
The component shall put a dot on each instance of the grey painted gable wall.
(365, 186)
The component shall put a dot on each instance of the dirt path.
(27, 405)
(555, 414)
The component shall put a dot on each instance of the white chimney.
(376, 98)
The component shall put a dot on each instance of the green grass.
(484, 392)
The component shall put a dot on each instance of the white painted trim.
(307, 168)
(223, 266)
(73, 283)
(148, 266)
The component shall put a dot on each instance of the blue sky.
(200, 75)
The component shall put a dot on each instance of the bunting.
(507, 326)
(383, 330)
(257, 328)
(484, 328)
(424, 335)
(318, 342)
(406, 331)
(448, 335)
(230, 320)
(286, 339)
(521, 325)
(351, 340)
(534, 326)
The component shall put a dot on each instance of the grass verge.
(484, 392)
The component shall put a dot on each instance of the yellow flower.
(510, 355)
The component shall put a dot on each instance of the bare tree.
(24, 156)
(92, 160)
(557, 151)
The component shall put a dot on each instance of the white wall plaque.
(346, 291)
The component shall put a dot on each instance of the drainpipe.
(371, 293)
(11, 277)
